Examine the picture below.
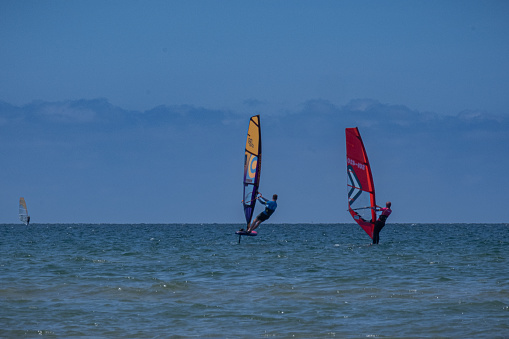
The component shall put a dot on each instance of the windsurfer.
(270, 207)
(380, 223)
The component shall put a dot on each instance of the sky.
(137, 111)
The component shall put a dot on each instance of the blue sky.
(136, 111)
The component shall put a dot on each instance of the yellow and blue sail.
(252, 166)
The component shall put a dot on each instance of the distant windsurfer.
(28, 220)
(270, 207)
(380, 223)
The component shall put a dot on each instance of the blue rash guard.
(270, 206)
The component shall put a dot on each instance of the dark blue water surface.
(304, 281)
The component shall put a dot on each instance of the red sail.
(360, 186)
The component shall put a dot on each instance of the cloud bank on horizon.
(90, 161)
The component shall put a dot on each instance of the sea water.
(302, 281)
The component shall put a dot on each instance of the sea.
(290, 281)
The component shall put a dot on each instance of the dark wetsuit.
(380, 223)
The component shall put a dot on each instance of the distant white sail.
(23, 211)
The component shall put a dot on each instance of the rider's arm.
(262, 199)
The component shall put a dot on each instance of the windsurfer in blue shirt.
(270, 207)
(380, 223)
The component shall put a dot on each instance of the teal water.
(303, 281)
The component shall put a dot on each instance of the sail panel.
(252, 166)
(360, 186)
(253, 136)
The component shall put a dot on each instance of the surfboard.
(252, 234)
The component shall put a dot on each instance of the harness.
(268, 211)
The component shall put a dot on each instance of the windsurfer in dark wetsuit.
(270, 207)
(380, 223)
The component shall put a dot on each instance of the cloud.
(361, 105)
(67, 113)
